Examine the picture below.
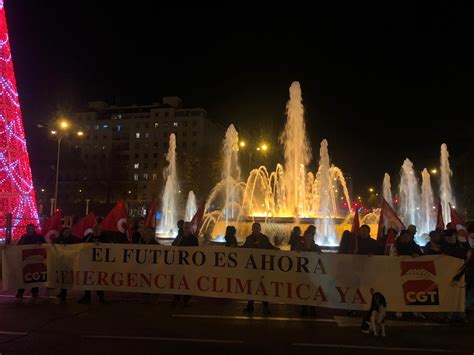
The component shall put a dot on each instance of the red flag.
(150, 220)
(439, 218)
(355, 223)
(84, 226)
(117, 220)
(52, 227)
(196, 221)
(456, 218)
(388, 219)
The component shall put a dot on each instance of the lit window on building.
(119, 128)
(155, 176)
(135, 177)
(145, 176)
(157, 125)
(105, 126)
(97, 127)
(137, 135)
(136, 165)
(147, 135)
(175, 124)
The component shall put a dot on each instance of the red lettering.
(102, 279)
(132, 279)
(199, 285)
(88, 278)
(145, 279)
(157, 281)
(183, 284)
(342, 293)
(214, 285)
(320, 294)
(298, 291)
(117, 279)
(239, 288)
(358, 296)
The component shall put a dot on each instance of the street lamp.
(434, 171)
(59, 133)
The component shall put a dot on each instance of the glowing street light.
(434, 171)
(242, 144)
(371, 189)
(64, 124)
(53, 132)
(80, 133)
(264, 147)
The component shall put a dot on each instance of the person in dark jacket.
(230, 238)
(31, 237)
(148, 237)
(188, 239)
(96, 237)
(433, 247)
(64, 238)
(180, 225)
(136, 235)
(451, 246)
(257, 240)
(305, 243)
(309, 235)
(347, 244)
(405, 245)
(365, 245)
(296, 241)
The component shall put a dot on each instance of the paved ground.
(127, 325)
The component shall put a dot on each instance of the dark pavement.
(127, 325)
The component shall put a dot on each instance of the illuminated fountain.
(191, 207)
(282, 198)
(387, 189)
(168, 220)
(409, 194)
(445, 190)
(427, 217)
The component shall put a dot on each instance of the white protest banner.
(326, 280)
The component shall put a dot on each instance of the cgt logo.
(421, 293)
(34, 265)
(418, 268)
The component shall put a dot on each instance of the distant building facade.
(122, 153)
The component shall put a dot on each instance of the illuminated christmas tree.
(17, 195)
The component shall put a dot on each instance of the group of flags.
(116, 221)
(389, 220)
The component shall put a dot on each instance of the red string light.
(17, 195)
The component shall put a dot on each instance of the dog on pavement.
(374, 320)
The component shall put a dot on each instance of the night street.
(126, 325)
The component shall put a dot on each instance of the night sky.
(380, 83)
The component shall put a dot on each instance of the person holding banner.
(258, 240)
(96, 237)
(230, 238)
(65, 237)
(433, 247)
(148, 237)
(301, 243)
(31, 237)
(365, 244)
(187, 239)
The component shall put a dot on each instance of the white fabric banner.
(326, 280)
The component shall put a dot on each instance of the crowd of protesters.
(456, 241)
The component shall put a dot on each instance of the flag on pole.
(355, 223)
(456, 218)
(150, 220)
(388, 219)
(116, 223)
(84, 226)
(439, 217)
(52, 227)
(196, 221)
